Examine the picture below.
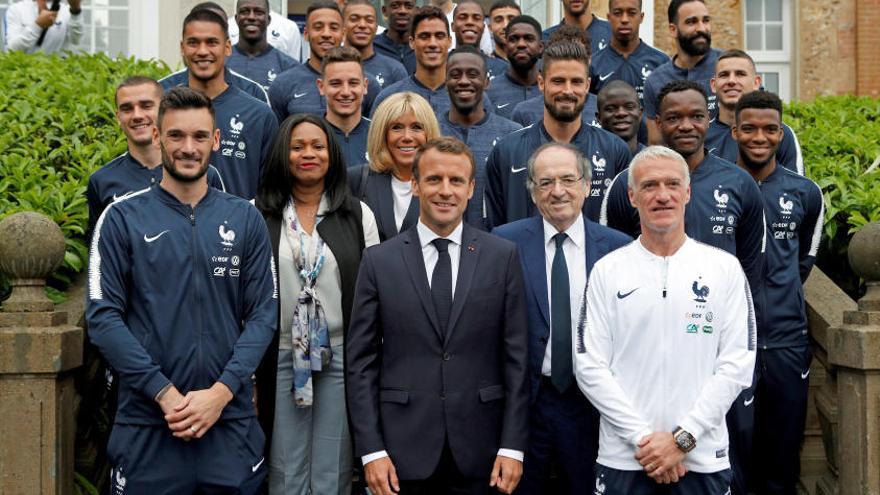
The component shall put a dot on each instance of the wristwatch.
(684, 440)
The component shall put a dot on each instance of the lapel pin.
(472, 248)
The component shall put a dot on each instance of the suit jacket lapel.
(415, 264)
(467, 263)
(536, 267)
(385, 199)
(595, 243)
(412, 214)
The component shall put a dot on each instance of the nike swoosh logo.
(805, 374)
(499, 107)
(257, 465)
(151, 239)
(115, 197)
(299, 95)
(516, 170)
(606, 76)
(748, 402)
(623, 296)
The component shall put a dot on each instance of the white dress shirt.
(430, 255)
(575, 249)
(22, 31)
(402, 190)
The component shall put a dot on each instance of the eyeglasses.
(568, 182)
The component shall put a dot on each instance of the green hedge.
(57, 126)
(840, 141)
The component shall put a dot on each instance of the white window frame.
(778, 61)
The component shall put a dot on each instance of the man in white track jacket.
(666, 342)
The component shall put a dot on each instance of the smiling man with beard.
(519, 82)
(469, 122)
(725, 211)
(694, 60)
(620, 112)
(565, 83)
(176, 271)
(253, 56)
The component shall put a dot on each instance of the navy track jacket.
(181, 295)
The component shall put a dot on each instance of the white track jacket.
(665, 342)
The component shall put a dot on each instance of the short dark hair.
(566, 50)
(674, 5)
(502, 4)
(320, 5)
(359, 2)
(205, 15)
(273, 193)
(616, 84)
(340, 54)
(612, 1)
(214, 6)
(264, 2)
(466, 49)
(448, 145)
(524, 19)
(425, 13)
(572, 33)
(184, 98)
(463, 2)
(678, 87)
(137, 81)
(735, 53)
(759, 99)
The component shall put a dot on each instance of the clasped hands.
(192, 415)
(661, 458)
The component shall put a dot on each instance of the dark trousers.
(447, 480)
(149, 460)
(564, 432)
(780, 415)
(741, 431)
(616, 482)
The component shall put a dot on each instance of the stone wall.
(825, 41)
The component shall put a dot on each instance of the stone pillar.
(38, 349)
(854, 350)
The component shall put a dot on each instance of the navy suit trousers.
(564, 432)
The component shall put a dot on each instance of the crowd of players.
(505, 89)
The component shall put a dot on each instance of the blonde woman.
(401, 124)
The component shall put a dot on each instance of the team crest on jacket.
(721, 198)
(785, 205)
(235, 126)
(227, 236)
(702, 292)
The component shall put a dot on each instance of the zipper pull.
(192, 217)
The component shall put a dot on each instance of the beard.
(169, 166)
(565, 115)
(523, 68)
(689, 46)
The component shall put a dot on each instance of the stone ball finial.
(31, 247)
(864, 252)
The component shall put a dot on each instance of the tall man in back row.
(565, 83)
(577, 13)
(184, 425)
(252, 55)
(558, 250)
(794, 211)
(665, 343)
(436, 355)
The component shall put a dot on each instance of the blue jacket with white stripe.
(181, 295)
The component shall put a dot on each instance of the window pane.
(754, 40)
(118, 42)
(119, 18)
(773, 10)
(774, 37)
(119, 3)
(771, 81)
(753, 10)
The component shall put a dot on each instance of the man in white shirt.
(436, 356)
(32, 26)
(665, 343)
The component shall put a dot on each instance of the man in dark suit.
(558, 250)
(437, 347)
